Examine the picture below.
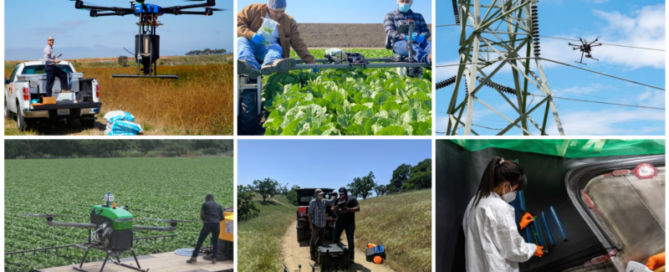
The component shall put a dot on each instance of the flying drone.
(586, 49)
(147, 43)
(111, 230)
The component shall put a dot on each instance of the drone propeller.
(168, 220)
(46, 215)
(216, 9)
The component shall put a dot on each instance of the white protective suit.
(492, 241)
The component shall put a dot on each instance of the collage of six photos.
(301, 135)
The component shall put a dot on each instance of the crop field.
(348, 102)
(200, 102)
(166, 188)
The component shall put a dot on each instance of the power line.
(601, 102)
(603, 74)
(566, 64)
(576, 40)
(611, 44)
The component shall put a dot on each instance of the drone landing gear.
(117, 261)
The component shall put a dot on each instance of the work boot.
(245, 69)
(192, 260)
(65, 91)
(280, 67)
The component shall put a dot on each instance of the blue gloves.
(315, 70)
(257, 39)
(416, 38)
(419, 39)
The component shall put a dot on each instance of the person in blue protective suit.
(492, 241)
(274, 54)
(421, 46)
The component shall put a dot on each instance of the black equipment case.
(334, 256)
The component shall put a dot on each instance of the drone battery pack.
(372, 252)
(334, 256)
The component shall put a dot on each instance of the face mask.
(342, 197)
(405, 7)
(508, 197)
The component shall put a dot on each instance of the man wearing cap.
(346, 206)
(211, 214)
(316, 221)
(252, 46)
(52, 71)
(421, 45)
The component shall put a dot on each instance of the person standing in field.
(52, 71)
(398, 41)
(275, 53)
(211, 214)
(346, 206)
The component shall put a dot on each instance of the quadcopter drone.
(111, 230)
(147, 43)
(586, 49)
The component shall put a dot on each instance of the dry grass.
(200, 102)
(403, 224)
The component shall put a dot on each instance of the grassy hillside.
(403, 224)
(259, 246)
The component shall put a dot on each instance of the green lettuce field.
(166, 188)
(348, 102)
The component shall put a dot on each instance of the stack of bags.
(121, 123)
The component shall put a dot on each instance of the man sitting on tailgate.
(398, 41)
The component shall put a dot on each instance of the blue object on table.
(550, 238)
(558, 224)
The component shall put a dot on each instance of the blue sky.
(635, 23)
(325, 163)
(77, 35)
(345, 11)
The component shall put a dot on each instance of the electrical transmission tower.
(502, 29)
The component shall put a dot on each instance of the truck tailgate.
(67, 105)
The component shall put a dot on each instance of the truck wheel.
(87, 123)
(21, 123)
(8, 114)
(249, 121)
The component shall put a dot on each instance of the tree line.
(405, 178)
(47, 149)
(206, 51)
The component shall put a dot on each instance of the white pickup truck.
(26, 87)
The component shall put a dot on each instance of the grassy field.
(403, 224)
(167, 188)
(200, 102)
(259, 245)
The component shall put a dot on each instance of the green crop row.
(348, 101)
(166, 188)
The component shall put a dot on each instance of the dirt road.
(297, 253)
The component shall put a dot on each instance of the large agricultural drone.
(147, 42)
(111, 230)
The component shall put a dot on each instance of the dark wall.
(458, 176)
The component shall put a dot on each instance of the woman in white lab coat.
(492, 241)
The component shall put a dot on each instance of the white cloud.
(609, 122)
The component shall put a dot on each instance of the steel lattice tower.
(502, 28)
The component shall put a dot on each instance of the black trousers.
(215, 230)
(51, 73)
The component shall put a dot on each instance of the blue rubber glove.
(258, 39)
(315, 70)
(420, 39)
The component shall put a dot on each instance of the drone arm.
(170, 228)
(179, 12)
(73, 225)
